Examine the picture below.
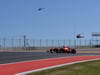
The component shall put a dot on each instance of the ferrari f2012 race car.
(64, 49)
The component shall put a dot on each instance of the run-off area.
(83, 68)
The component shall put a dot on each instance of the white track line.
(27, 72)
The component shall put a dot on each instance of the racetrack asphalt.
(23, 68)
(9, 57)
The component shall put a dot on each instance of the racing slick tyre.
(73, 51)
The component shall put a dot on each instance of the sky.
(61, 19)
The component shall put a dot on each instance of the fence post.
(47, 42)
(24, 41)
(33, 43)
(52, 41)
(85, 43)
(19, 42)
(12, 43)
(75, 44)
(58, 43)
(4, 40)
(40, 42)
(64, 42)
(69, 43)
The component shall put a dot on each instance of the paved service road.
(9, 57)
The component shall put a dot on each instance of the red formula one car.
(64, 49)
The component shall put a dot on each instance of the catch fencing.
(24, 43)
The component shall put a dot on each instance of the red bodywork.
(64, 49)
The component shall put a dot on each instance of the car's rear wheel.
(73, 51)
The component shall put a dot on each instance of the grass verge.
(85, 68)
